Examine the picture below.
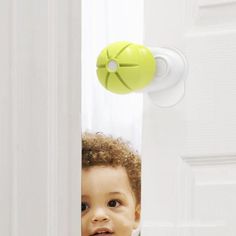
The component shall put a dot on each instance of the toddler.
(111, 187)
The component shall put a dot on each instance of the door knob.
(125, 67)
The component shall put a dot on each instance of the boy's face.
(108, 202)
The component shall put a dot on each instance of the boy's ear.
(137, 216)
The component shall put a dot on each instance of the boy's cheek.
(84, 225)
(137, 216)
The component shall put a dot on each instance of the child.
(111, 186)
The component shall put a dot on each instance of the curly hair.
(101, 150)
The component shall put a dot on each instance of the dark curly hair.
(101, 150)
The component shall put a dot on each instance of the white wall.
(40, 118)
(105, 22)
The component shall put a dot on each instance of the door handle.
(125, 67)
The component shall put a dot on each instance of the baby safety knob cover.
(124, 67)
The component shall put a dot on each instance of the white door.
(189, 150)
(40, 118)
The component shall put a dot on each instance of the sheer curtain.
(104, 22)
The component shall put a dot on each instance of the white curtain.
(104, 22)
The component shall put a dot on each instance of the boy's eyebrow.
(120, 193)
(85, 196)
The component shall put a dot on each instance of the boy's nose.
(100, 216)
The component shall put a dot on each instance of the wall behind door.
(105, 22)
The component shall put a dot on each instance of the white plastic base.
(168, 86)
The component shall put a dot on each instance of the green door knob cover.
(125, 67)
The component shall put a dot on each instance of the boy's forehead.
(109, 178)
(104, 172)
(105, 181)
(108, 169)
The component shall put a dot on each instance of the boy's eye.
(114, 203)
(84, 206)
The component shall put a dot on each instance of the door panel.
(189, 150)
